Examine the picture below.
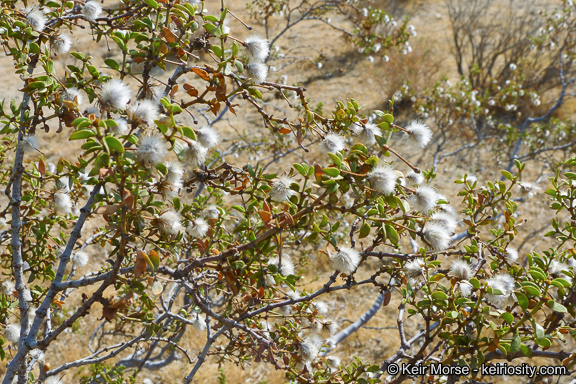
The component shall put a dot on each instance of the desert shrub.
(201, 246)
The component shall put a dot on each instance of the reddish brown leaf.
(140, 264)
(285, 130)
(265, 216)
(387, 297)
(168, 35)
(107, 209)
(41, 167)
(202, 73)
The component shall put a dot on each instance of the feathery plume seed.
(2, 223)
(258, 48)
(169, 223)
(332, 143)
(7, 288)
(114, 95)
(72, 95)
(461, 269)
(29, 144)
(195, 154)
(557, 267)
(53, 380)
(281, 190)
(27, 294)
(61, 43)
(92, 10)
(12, 333)
(383, 178)
(444, 219)
(414, 178)
(144, 112)
(527, 190)
(208, 137)
(321, 307)
(505, 284)
(436, 236)
(211, 212)
(333, 362)
(151, 149)
(424, 200)
(367, 133)
(308, 351)
(414, 268)
(62, 203)
(198, 322)
(198, 228)
(122, 127)
(257, 71)
(80, 259)
(465, 288)
(512, 253)
(285, 268)
(418, 135)
(36, 19)
(174, 172)
(346, 260)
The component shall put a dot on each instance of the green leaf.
(112, 64)
(507, 317)
(556, 307)
(570, 175)
(507, 175)
(151, 3)
(300, 168)
(516, 342)
(391, 233)
(332, 172)
(439, 295)
(83, 134)
(364, 231)
(114, 144)
(522, 300)
(189, 133)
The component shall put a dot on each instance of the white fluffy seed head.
(208, 137)
(151, 149)
(72, 95)
(12, 333)
(198, 228)
(367, 133)
(174, 172)
(414, 178)
(332, 143)
(80, 259)
(444, 219)
(36, 19)
(465, 288)
(281, 190)
(308, 351)
(30, 144)
(198, 321)
(7, 288)
(53, 380)
(144, 112)
(195, 154)
(92, 10)
(461, 270)
(62, 203)
(505, 284)
(346, 260)
(211, 212)
(557, 267)
(436, 236)
(424, 200)
(414, 268)
(527, 190)
(257, 71)
(121, 129)
(285, 268)
(170, 223)
(114, 95)
(61, 43)
(258, 48)
(383, 178)
(418, 135)
(512, 253)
